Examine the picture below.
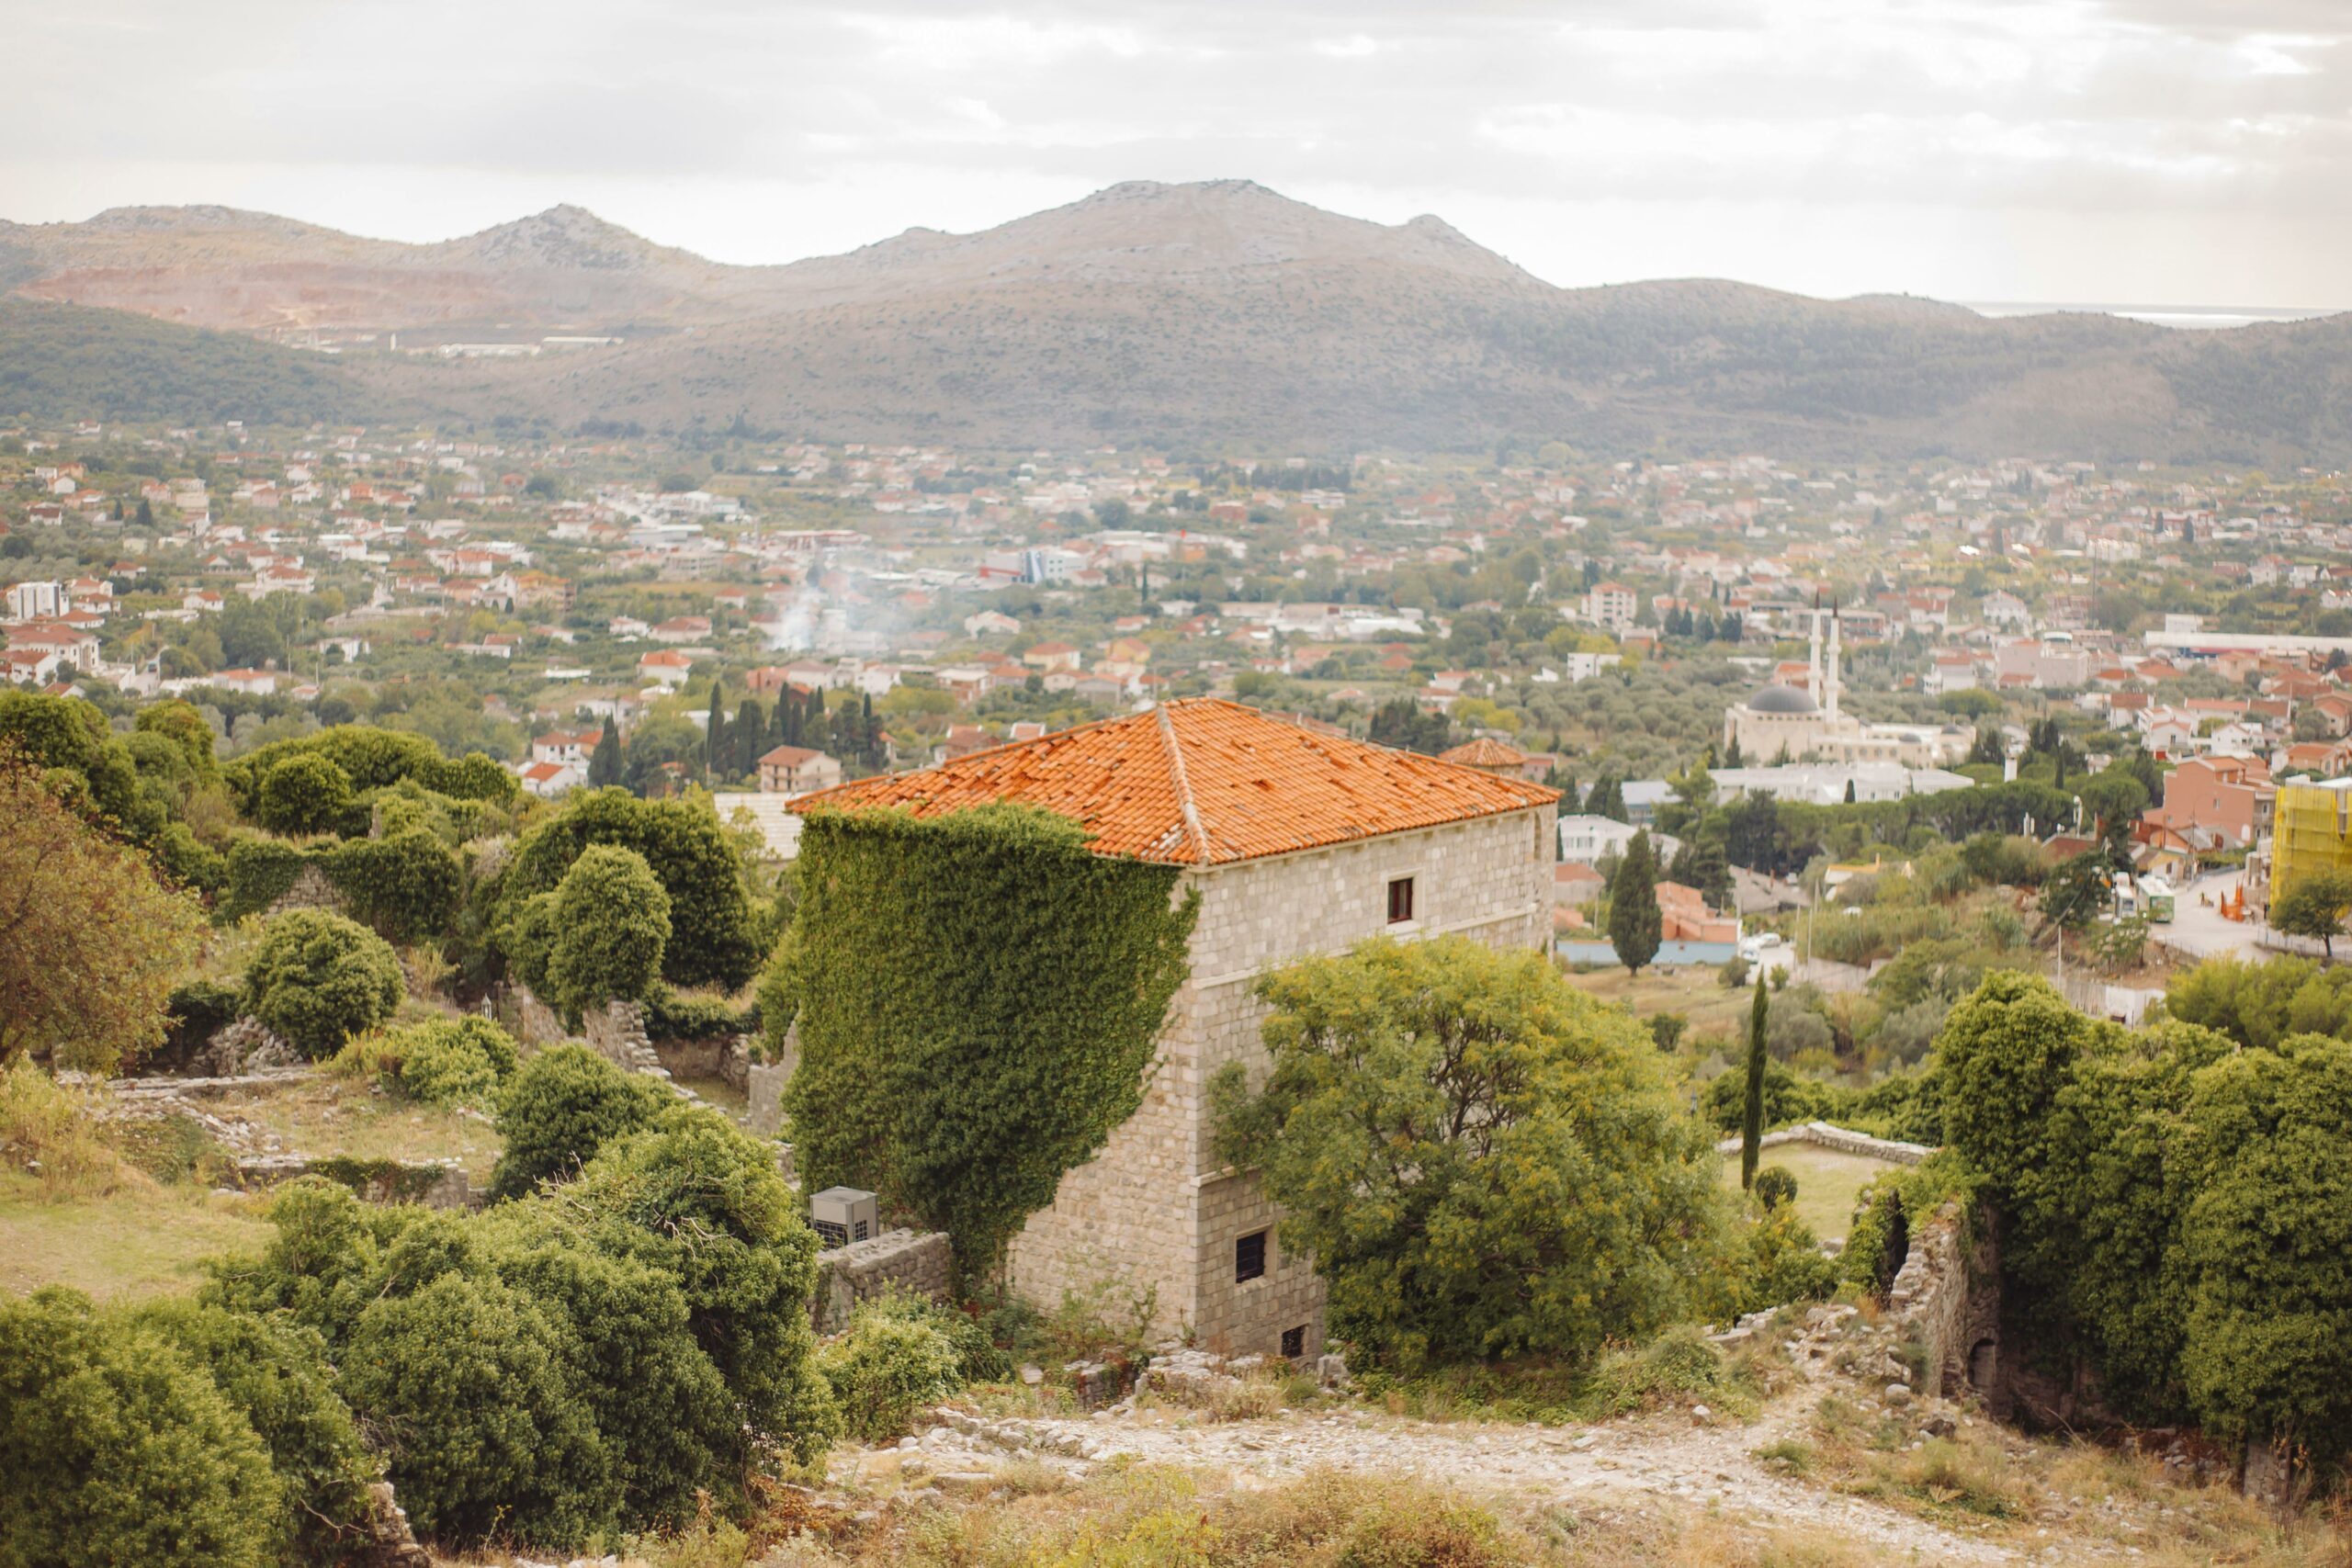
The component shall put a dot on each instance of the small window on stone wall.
(1401, 901)
(1250, 1257)
(1294, 1342)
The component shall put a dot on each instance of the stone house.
(1297, 843)
(796, 770)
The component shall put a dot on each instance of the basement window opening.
(1250, 1257)
(1294, 1342)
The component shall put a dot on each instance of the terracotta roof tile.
(1202, 782)
(1485, 753)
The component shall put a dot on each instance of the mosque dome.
(1779, 699)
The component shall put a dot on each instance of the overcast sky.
(2160, 152)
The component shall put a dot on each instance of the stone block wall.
(1843, 1139)
(437, 1184)
(914, 1262)
(311, 890)
(616, 1032)
(1947, 1294)
(1154, 1211)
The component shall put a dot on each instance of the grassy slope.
(61, 362)
(139, 1240)
(1827, 1182)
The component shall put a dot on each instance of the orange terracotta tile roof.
(1485, 753)
(1202, 782)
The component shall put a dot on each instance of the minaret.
(1836, 675)
(1812, 657)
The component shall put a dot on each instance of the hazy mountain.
(1220, 315)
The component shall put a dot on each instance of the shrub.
(713, 936)
(1678, 1365)
(194, 1011)
(485, 1431)
(1774, 1186)
(405, 885)
(563, 1105)
(684, 1015)
(612, 922)
(318, 978)
(116, 1451)
(889, 1364)
(303, 793)
(188, 861)
(275, 1374)
(457, 1061)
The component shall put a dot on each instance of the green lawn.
(139, 1240)
(1827, 1182)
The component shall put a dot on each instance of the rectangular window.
(1250, 1257)
(1401, 901)
(1294, 1342)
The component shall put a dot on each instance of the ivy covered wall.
(978, 996)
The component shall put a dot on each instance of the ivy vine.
(978, 996)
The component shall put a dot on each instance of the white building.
(31, 601)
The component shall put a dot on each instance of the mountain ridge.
(1219, 313)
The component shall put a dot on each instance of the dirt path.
(1696, 1464)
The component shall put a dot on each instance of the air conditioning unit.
(843, 1214)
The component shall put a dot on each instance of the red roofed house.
(796, 770)
(1297, 843)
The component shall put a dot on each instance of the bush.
(259, 873)
(1678, 1365)
(1774, 1186)
(485, 1432)
(563, 1105)
(612, 922)
(714, 933)
(318, 978)
(683, 1015)
(457, 1061)
(275, 1374)
(188, 861)
(115, 1450)
(303, 793)
(889, 1364)
(196, 1011)
(405, 885)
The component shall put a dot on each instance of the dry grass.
(1166, 1516)
(1693, 991)
(341, 1115)
(1827, 1182)
(139, 1240)
(47, 1135)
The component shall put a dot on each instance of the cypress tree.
(1751, 1116)
(604, 762)
(714, 733)
(1635, 927)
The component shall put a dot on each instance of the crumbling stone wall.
(435, 1183)
(915, 1262)
(1845, 1140)
(311, 890)
(616, 1031)
(1947, 1295)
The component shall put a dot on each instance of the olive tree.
(1482, 1159)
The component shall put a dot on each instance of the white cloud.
(1974, 148)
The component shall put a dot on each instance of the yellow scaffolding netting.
(2311, 830)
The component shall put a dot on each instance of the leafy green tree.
(183, 726)
(2267, 1244)
(2262, 1002)
(68, 741)
(2076, 889)
(612, 921)
(1751, 1115)
(563, 1105)
(2314, 907)
(318, 978)
(1637, 925)
(305, 793)
(92, 939)
(116, 1451)
(1481, 1159)
(714, 937)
